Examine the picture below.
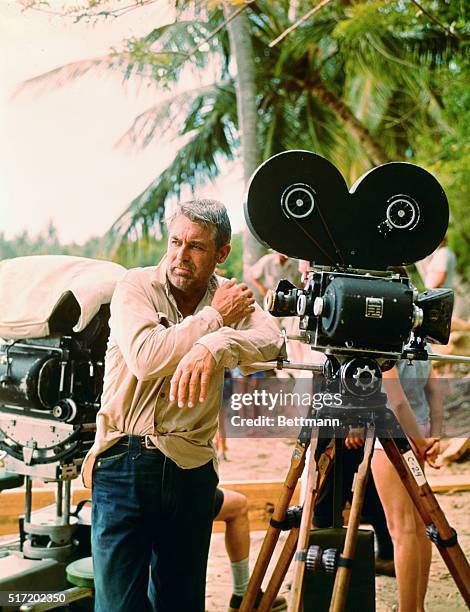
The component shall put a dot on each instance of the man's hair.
(208, 213)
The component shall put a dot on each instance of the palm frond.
(62, 75)
(162, 55)
(196, 162)
(191, 38)
(380, 32)
(169, 114)
(369, 97)
(156, 66)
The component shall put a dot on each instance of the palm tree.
(310, 93)
(355, 84)
(247, 113)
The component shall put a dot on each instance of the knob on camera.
(65, 410)
(318, 559)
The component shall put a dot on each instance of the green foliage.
(47, 243)
(448, 157)
(208, 128)
(146, 251)
(402, 72)
(233, 266)
(445, 149)
(165, 51)
(377, 56)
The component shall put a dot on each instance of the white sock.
(240, 576)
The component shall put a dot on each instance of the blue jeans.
(151, 527)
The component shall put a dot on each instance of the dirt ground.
(269, 459)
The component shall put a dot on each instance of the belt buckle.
(148, 443)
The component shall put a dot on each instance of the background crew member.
(415, 396)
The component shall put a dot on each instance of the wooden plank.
(449, 483)
(12, 506)
(262, 497)
(456, 449)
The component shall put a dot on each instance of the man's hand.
(192, 375)
(433, 452)
(233, 301)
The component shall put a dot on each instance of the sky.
(57, 156)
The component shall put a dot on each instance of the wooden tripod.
(408, 468)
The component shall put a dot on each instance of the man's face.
(192, 254)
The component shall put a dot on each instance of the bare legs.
(234, 512)
(412, 549)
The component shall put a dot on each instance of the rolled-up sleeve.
(256, 338)
(150, 347)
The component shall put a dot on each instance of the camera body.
(346, 313)
(349, 313)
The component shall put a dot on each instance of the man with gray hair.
(174, 328)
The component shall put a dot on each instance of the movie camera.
(49, 393)
(54, 331)
(364, 315)
(354, 305)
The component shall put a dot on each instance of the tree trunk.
(242, 51)
(374, 151)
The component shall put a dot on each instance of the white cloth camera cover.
(31, 288)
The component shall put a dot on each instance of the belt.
(145, 442)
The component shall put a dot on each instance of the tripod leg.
(279, 573)
(305, 524)
(403, 459)
(272, 534)
(343, 573)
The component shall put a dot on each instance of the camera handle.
(285, 364)
(401, 455)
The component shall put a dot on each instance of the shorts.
(218, 501)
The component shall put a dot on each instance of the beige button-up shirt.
(148, 339)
